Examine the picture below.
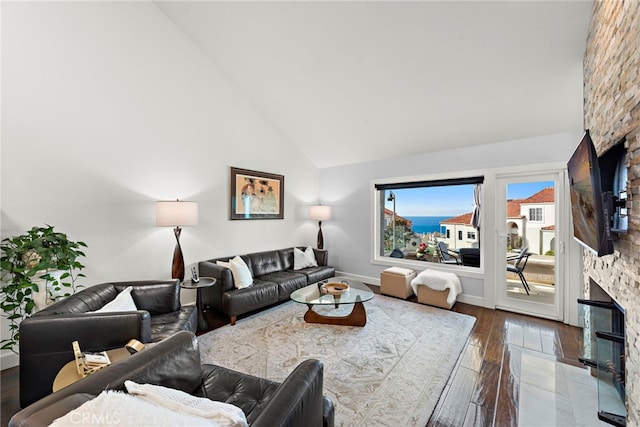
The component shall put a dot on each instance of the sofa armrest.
(322, 256)
(298, 401)
(47, 414)
(212, 295)
(45, 343)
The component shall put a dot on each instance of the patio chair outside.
(519, 263)
(446, 256)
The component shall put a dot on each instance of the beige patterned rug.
(390, 372)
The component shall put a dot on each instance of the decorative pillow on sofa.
(304, 259)
(241, 275)
(122, 302)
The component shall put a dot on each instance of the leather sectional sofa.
(46, 337)
(175, 363)
(274, 279)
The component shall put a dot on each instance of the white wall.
(106, 108)
(349, 190)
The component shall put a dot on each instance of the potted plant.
(421, 253)
(40, 262)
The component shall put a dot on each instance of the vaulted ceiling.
(348, 82)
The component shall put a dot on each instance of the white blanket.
(439, 281)
(151, 405)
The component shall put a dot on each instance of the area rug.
(390, 372)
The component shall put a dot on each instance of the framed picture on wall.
(256, 195)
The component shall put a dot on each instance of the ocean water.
(426, 224)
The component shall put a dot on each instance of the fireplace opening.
(603, 323)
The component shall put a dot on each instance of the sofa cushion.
(248, 392)
(265, 262)
(238, 301)
(288, 281)
(156, 297)
(316, 274)
(167, 324)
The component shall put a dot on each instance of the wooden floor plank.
(478, 416)
(454, 410)
(532, 338)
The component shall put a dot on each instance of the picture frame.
(255, 195)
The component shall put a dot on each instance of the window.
(535, 214)
(415, 216)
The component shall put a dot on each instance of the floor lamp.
(176, 214)
(320, 213)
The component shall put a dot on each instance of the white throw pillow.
(223, 264)
(184, 403)
(304, 259)
(122, 302)
(310, 257)
(241, 274)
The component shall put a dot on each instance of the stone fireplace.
(612, 114)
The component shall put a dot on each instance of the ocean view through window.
(421, 220)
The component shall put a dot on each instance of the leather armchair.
(46, 337)
(175, 362)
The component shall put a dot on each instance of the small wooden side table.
(69, 372)
(205, 282)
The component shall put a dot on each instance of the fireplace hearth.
(603, 322)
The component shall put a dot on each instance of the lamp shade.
(176, 213)
(319, 213)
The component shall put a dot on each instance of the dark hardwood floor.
(483, 388)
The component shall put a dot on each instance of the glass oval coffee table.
(335, 291)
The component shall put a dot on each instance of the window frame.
(378, 188)
(538, 218)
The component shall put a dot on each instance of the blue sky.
(451, 200)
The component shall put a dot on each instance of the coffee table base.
(357, 317)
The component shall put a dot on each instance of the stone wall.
(612, 113)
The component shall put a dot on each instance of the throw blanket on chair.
(152, 405)
(439, 281)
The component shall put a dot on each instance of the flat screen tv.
(589, 209)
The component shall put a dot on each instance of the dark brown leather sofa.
(274, 279)
(46, 337)
(175, 362)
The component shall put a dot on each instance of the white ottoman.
(396, 281)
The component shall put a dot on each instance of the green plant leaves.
(31, 257)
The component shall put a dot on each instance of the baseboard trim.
(363, 279)
(8, 360)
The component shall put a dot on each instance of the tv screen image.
(590, 220)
